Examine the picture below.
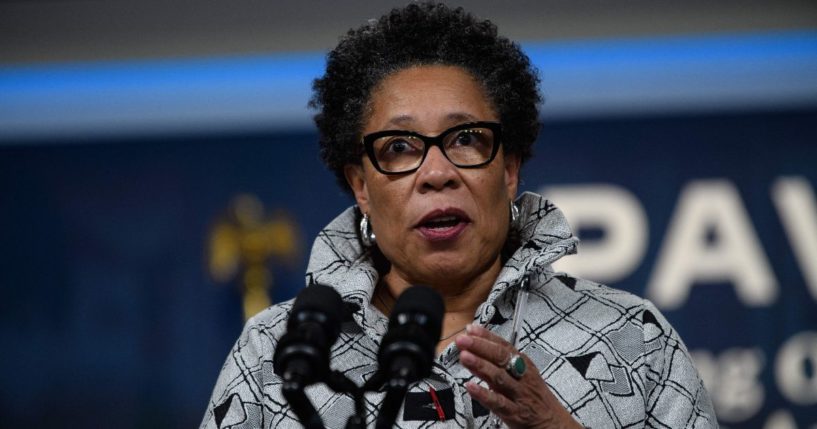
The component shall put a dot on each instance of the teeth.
(446, 219)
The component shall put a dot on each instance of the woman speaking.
(426, 116)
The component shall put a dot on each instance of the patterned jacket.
(610, 357)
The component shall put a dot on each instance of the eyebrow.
(404, 120)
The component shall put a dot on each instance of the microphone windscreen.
(423, 300)
(320, 299)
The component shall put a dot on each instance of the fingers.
(539, 409)
(486, 355)
(491, 348)
(497, 403)
(524, 402)
(496, 377)
(480, 331)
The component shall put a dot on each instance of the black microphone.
(302, 355)
(407, 351)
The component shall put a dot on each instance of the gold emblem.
(245, 242)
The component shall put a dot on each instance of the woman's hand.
(523, 403)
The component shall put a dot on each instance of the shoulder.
(596, 290)
(634, 309)
(585, 309)
(628, 321)
(271, 317)
(262, 331)
(619, 345)
(595, 304)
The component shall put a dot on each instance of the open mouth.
(442, 222)
(443, 225)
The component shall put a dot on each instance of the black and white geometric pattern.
(610, 357)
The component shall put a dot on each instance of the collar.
(339, 260)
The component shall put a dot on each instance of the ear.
(512, 163)
(357, 181)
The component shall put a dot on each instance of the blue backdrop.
(109, 314)
(110, 318)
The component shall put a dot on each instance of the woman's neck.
(461, 298)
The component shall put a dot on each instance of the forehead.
(427, 98)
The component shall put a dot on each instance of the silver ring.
(516, 366)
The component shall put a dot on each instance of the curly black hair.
(422, 34)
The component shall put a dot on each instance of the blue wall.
(109, 316)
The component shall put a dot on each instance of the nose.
(437, 172)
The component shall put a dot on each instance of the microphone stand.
(396, 388)
(391, 405)
(293, 391)
(341, 384)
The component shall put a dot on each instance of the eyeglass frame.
(369, 139)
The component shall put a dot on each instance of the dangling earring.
(514, 215)
(366, 234)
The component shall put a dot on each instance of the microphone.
(407, 351)
(302, 355)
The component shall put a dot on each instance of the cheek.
(501, 217)
(498, 189)
(385, 211)
(496, 209)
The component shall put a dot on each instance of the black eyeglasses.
(468, 145)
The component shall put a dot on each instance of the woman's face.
(440, 225)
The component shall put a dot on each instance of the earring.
(366, 234)
(514, 214)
